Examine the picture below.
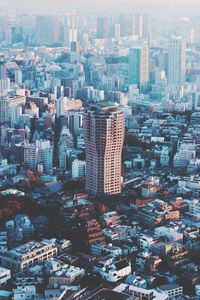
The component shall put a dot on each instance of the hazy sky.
(12, 6)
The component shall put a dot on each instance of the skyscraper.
(3, 72)
(139, 64)
(176, 61)
(4, 105)
(117, 33)
(142, 26)
(104, 136)
(138, 25)
(40, 152)
(70, 28)
(102, 27)
(47, 29)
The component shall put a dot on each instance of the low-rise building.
(172, 290)
(112, 270)
(141, 293)
(169, 233)
(27, 255)
(5, 276)
(24, 293)
(66, 275)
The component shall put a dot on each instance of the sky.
(17, 6)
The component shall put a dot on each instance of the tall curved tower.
(104, 136)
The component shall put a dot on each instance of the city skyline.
(99, 150)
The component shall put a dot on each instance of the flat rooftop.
(29, 247)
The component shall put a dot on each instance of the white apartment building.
(111, 270)
(41, 153)
(5, 275)
(29, 254)
(78, 168)
(172, 290)
(194, 207)
(25, 293)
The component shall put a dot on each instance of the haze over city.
(97, 6)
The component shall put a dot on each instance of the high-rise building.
(104, 137)
(41, 153)
(146, 28)
(75, 47)
(103, 27)
(176, 61)
(117, 31)
(139, 64)
(18, 76)
(3, 72)
(4, 105)
(70, 28)
(17, 34)
(75, 121)
(138, 25)
(142, 26)
(78, 168)
(127, 24)
(47, 29)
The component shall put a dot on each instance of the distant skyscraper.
(138, 26)
(142, 26)
(139, 64)
(70, 28)
(18, 76)
(117, 33)
(75, 47)
(104, 136)
(17, 35)
(3, 72)
(39, 153)
(102, 27)
(176, 61)
(127, 25)
(47, 29)
(4, 105)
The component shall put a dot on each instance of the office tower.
(117, 33)
(41, 102)
(142, 26)
(127, 25)
(66, 140)
(70, 28)
(176, 61)
(63, 105)
(75, 47)
(3, 72)
(103, 27)
(59, 91)
(4, 105)
(78, 168)
(104, 136)
(139, 64)
(17, 35)
(75, 121)
(47, 29)
(30, 155)
(138, 25)
(72, 35)
(18, 76)
(4, 81)
(60, 106)
(40, 152)
(85, 40)
(146, 28)
(14, 113)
